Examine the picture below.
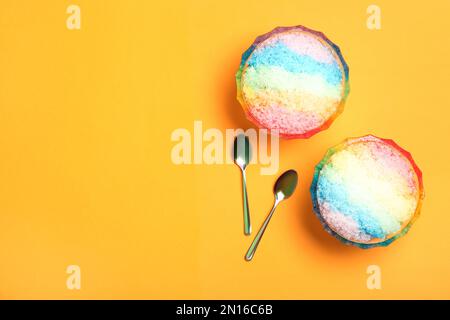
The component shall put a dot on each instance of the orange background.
(86, 176)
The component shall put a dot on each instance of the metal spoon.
(242, 154)
(284, 188)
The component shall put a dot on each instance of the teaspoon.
(284, 188)
(242, 154)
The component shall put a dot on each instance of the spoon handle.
(247, 225)
(252, 249)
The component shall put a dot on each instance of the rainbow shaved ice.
(367, 191)
(293, 80)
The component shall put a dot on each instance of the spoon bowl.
(286, 184)
(242, 151)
